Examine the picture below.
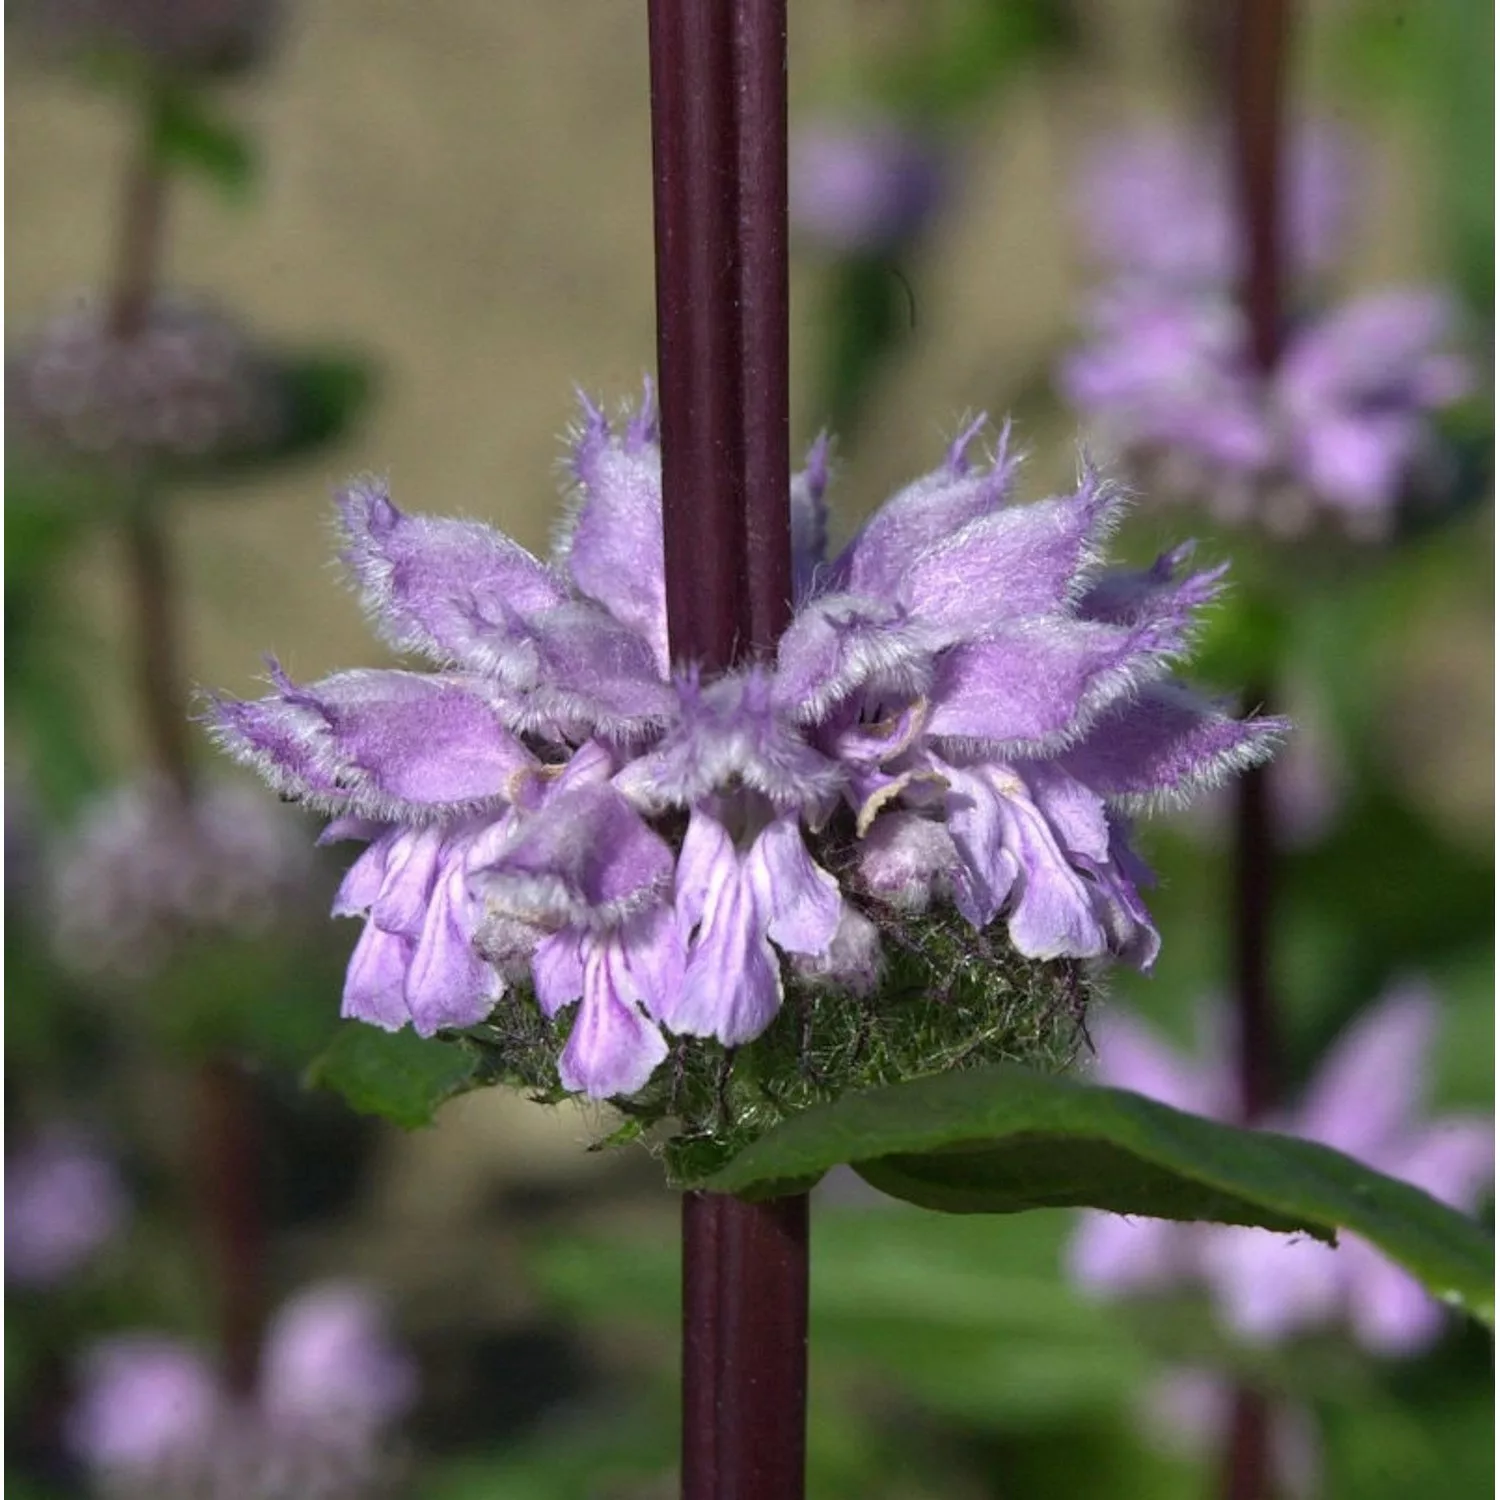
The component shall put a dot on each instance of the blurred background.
(391, 238)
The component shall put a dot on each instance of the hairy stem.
(718, 111)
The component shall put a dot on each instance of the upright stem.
(718, 109)
(1257, 66)
(229, 1165)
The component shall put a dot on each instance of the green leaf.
(1003, 1139)
(186, 133)
(323, 396)
(398, 1075)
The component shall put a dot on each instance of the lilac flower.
(863, 188)
(1342, 425)
(153, 1418)
(63, 1203)
(1365, 1100)
(964, 709)
(143, 871)
(188, 385)
(1155, 203)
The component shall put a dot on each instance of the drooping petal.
(1111, 1255)
(1390, 1312)
(614, 548)
(454, 590)
(987, 869)
(1367, 1091)
(361, 885)
(801, 898)
(1132, 1056)
(1166, 744)
(557, 971)
(375, 984)
(1052, 912)
(584, 860)
(614, 1048)
(732, 985)
(1268, 1288)
(1035, 686)
(923, 513)
(448, 983)
(411, 873)
(1117, 901)
(730, 733)
(1010, 564)
(840, 644)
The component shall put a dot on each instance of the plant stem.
(718, 111)
(1257, 68)
(229, 1164)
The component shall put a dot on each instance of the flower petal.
(613, 1048)
(801, 898)
(810, 518)
(375, 984)
(1009, 564)
(454, 590)
(448, 983)
(557, 971)
(614, 548)
(923, 513)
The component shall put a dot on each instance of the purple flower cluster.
(864, 187)
(963, 709)
(1165, 372)
(153, 1417)
(63, 1203)
(1364, 1100)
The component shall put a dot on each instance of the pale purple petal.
(142, 1401)
(840, 644)
(987, 869)
(614, 548)
(362, 883)
(1167, 743)
(1268, 1287)
(1452, 1157)
(810, 518)
(454, 590)
(1112, 1255)
(448, 983)
(329, 1358)
(1052, 913)
(557, 971)
(584, 860)
(731, 733)
(732, 985)
(614, 1048)
(375, 983)
(1035, 686)
(1391, 1313)
(1009, 564)
(1132, 1056)
(853, 961)
(1369, 1087)
(63, 1203)
(411, 872)
(923, 513)
(801, 897)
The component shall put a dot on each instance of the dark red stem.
(718, 111)
(1257, 67)
(228, 1147)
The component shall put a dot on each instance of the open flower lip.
(957, 723)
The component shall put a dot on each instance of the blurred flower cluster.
(1366, 1099)
(153, 1418)
(64, 1202)
(962, 712)
(1342, 427)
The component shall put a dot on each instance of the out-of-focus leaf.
(1003, 1139)
(398, 1075)
(188, 133)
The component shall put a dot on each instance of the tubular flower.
(563, 822)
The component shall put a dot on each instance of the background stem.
(1257, 69)
(719, 139)
(228, 1154)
